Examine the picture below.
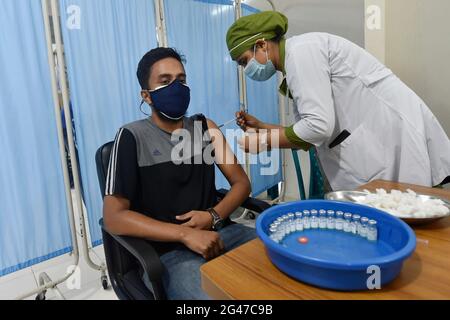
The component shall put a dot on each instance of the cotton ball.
(396, 195)
(408, 199)
(404, 204)
(397, 213)
(442, 210)
(388, 204)
(390, 211)
(371, 198)
(436, 202)
(420, 215)
(422, 207)
(377, 205)
(405, 209)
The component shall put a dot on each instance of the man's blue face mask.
(172, 101)
(260, 72)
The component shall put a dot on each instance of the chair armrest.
(253, 204)
(143, 252)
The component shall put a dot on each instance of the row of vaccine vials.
(322, 219)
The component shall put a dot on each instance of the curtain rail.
(70, 137)
(49, 284)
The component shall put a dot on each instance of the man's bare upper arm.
(115, 204)
(225, 157)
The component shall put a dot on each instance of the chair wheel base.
(105, 283)
(41, 296)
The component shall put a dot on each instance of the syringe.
(227, 123)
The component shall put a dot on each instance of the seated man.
(172, 204)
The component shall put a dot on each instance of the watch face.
(219, 225)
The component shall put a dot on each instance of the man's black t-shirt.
(141, 170)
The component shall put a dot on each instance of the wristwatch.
(218, 222)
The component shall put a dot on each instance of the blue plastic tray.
(335, 259)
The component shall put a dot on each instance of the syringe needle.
(227, 123)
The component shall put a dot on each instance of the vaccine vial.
(347, 222)
(278, 238)
(275, 238)
(292, 226)
(299, 221)
(322, 219)
(306, 219)
(314, 219)
(339, 220)
(280, 234)
(282, 231)
(356, 221)
(283, 221)
(272, 226)
(287, 228)
(364, 227)
(273, 230)
(331, 222)
(372, 231)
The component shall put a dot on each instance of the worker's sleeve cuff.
(294, 139)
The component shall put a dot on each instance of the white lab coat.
(338, 86)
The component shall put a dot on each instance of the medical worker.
(364, 121)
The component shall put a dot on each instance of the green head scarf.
(244, 33)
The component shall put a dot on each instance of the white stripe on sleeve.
(112, 166)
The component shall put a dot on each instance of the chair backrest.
(119, 261)
(102, 160)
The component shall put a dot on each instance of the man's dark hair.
(150, 58)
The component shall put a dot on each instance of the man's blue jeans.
(181, 279)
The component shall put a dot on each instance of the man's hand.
(201, 220)
(208, 244)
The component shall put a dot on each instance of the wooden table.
(247, 274)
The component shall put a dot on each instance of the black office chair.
(127, 256)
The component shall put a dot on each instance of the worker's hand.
(254, 142)
(208, 244)
(248, 122)
(201, 220)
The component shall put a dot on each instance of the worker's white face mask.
(260, 72)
